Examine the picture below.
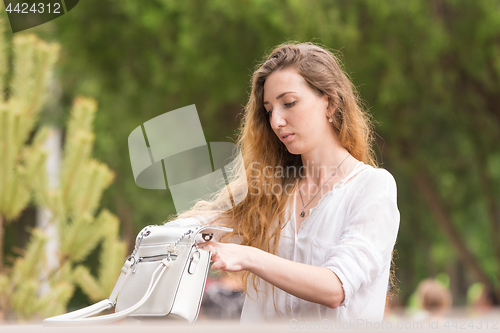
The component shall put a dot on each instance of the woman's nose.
(277, 119)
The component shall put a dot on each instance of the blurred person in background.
(434, 300)
(314, 235)
(481, 300)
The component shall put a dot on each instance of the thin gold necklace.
(303, 213)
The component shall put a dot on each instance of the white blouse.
(352, 232)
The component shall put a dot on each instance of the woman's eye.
(289, 105)
(269, 113)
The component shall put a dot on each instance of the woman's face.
(298, 115)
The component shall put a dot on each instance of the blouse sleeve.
(368, 235)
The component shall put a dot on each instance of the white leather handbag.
(165, 274)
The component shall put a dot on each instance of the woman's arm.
(311, 283)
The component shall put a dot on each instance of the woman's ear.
(332, 104)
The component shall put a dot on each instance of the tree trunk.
(44, 218)
(444, 221)
(492, 205)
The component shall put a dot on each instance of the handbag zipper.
(158, 257)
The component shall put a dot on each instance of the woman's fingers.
(224, 256)
(210, 246)
(219, 264)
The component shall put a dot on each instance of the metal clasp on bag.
(207, 237)
(132, 259)
(193, 262)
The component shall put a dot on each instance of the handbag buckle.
(207, 237)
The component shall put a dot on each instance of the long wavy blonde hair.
(258, 219)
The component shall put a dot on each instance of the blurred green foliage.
(38, 278)
(427, 69)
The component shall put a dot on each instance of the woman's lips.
(287, 137)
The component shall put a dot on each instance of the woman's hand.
(228, 257)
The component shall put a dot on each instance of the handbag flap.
(163, 234)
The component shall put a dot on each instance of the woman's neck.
(318, 168)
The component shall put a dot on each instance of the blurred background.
(428, 71)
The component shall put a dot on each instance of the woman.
(316, 230)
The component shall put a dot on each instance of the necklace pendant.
(302, 214)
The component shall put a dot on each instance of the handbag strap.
(80, 317)
(126, 269)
